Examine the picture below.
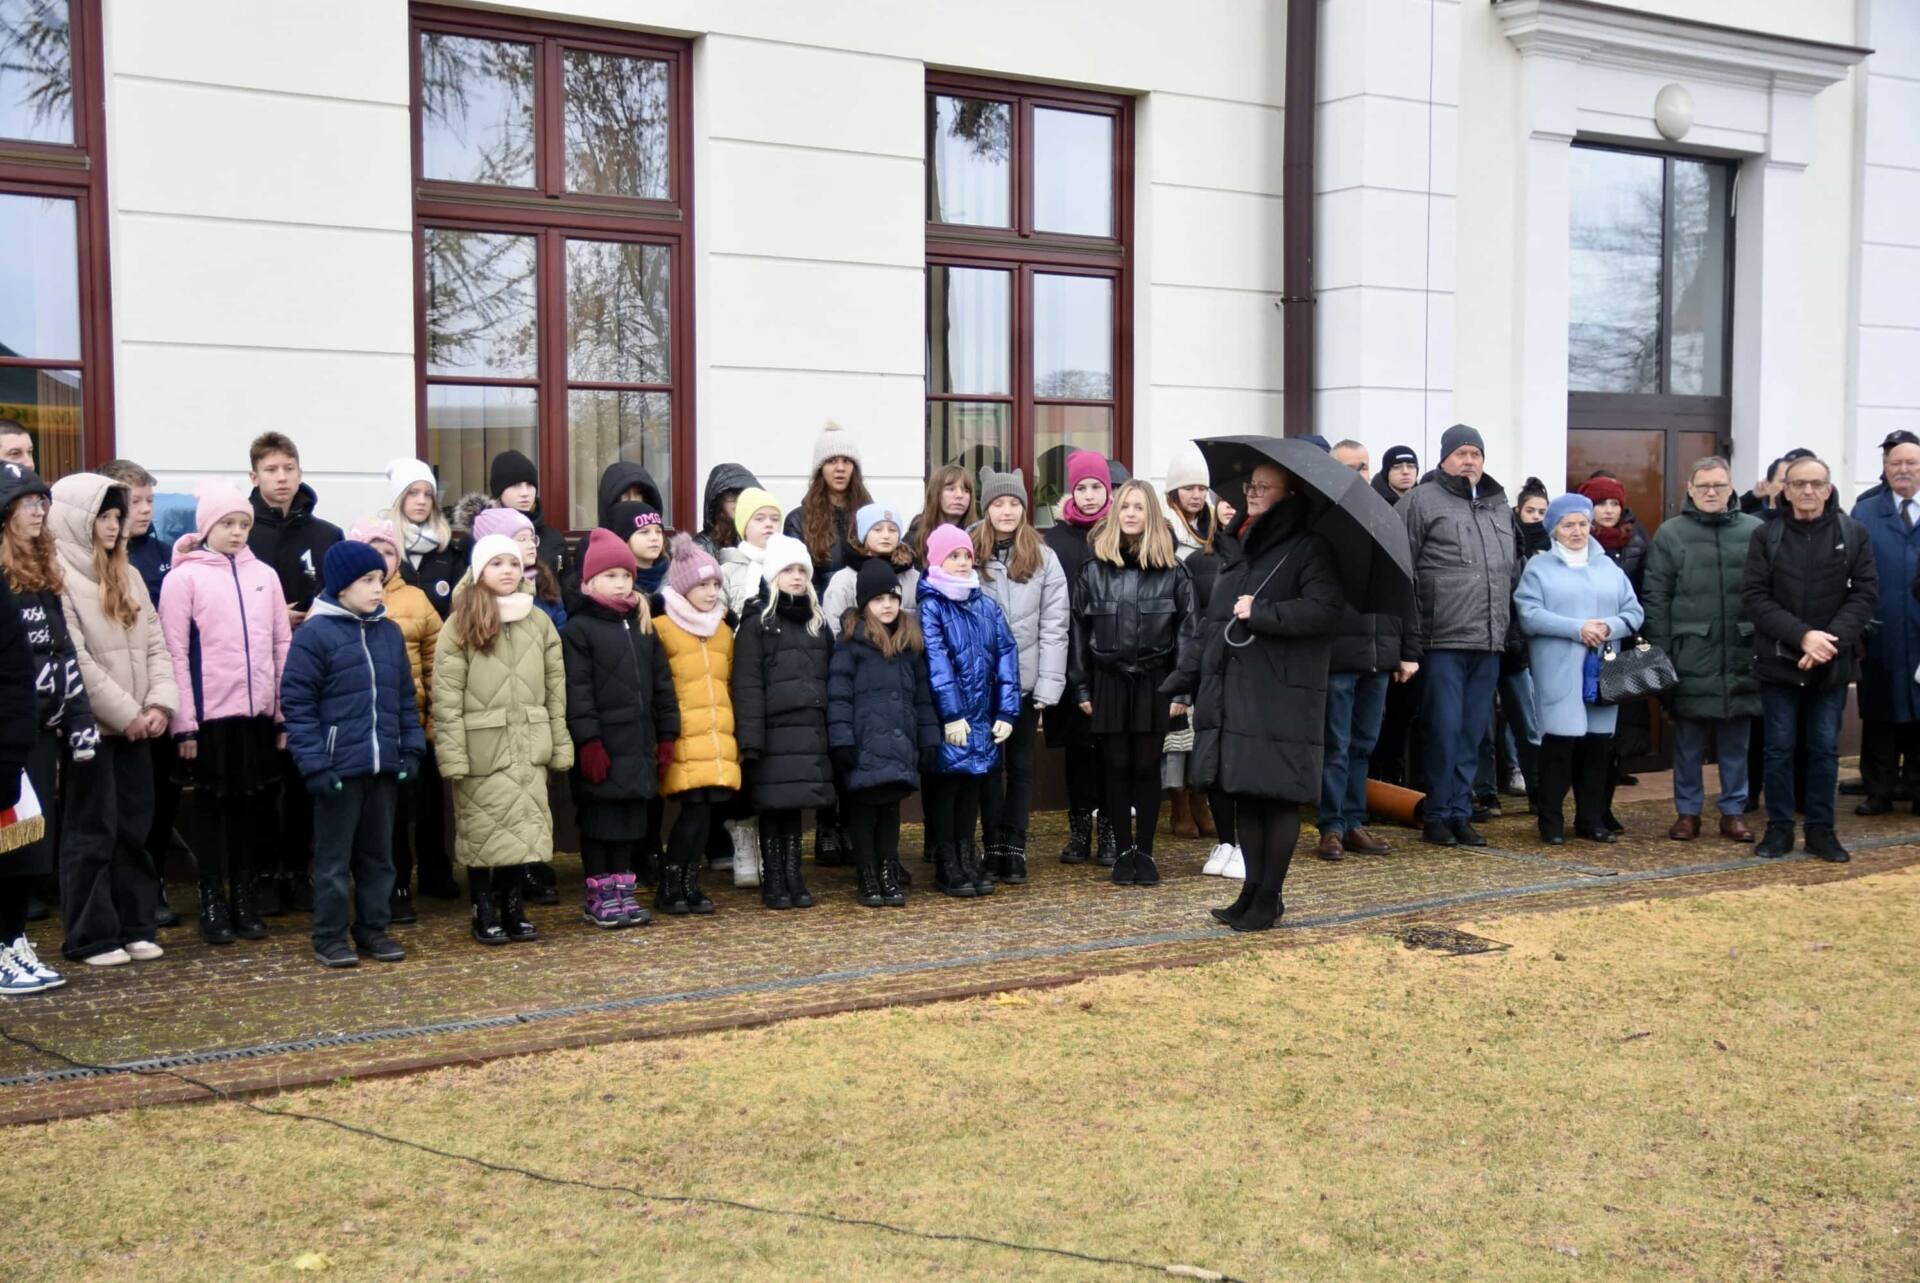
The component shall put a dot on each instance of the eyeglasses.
(34, 503)
(1805, 486)
(1261, 487)
(1711, 487)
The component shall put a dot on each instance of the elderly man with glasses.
(1691, 592)
(1889, 706)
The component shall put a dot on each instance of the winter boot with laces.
(216, 923)
(670, 897)
(1108, 853)
(486, 919)
(892, 894)
(246, 913)
(949, 878)
(1014, 851)
(867, 880)
(790, 867)
(773, 875)
(1079, 838)
(697, 901)
(970, 864)
(512, 889)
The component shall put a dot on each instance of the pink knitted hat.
(500, 521)
(944, 542)
(374, 532)
(217, 500)
(690, 565)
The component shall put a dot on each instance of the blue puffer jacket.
(974, 667)
(880, 708)
(347, 694)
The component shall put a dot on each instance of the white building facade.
(686, 231)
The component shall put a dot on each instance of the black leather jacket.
(1127, 619)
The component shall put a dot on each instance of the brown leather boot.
(1330, 848)
(1202, 813)
(1734, 829)
(1685, 828)
(1359, 839)
(1180, 816)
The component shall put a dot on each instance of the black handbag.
(1637, 669)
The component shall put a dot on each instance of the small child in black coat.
(624, 717)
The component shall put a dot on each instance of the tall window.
(553, 215)
(1029, 296)
(54, 334)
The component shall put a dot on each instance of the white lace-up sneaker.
(29, 961)
(15, 979)
(1217, 862)
(1236, 866)
(111, 958)
(144, 951)
(746, 852)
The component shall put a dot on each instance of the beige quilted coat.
(500, 724)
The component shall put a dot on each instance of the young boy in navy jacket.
(354, 733)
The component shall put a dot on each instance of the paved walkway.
(260, 1016)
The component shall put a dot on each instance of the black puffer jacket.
(1260, 685)
(1802, 575)
(620, 692)
(294, 545)
(1631, 556)
(1366, 643)
(780, 706)
(838, 551)
(440, 570)
(880, 708)
(1127, 620)
(723, 480)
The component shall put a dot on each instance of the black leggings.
(14, 894)
(1269, 830)
(1083, 777)
(1007, 798)
(225, 829)
(687, 844)
(953, 805)
(781, 824)
(875, 830)
(1221, 804)
(1131, 798)
(602, 856)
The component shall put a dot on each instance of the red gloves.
(594, 762)
(664, 752)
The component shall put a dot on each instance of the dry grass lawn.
(1725, 1087)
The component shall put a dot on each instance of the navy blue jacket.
(1893, 648)
(347, 694)
(152, 556)
(974, 668)
(880, 708)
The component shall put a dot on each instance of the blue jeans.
(1355, 704)
(1729, 736)
(1458, 707)
(1782, 707)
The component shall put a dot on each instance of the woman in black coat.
(781, 658)
(1087, 499)
(1260, 673)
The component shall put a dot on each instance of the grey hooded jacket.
(1465, 565)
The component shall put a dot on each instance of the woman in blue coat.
(1571, 602)
(974, 668)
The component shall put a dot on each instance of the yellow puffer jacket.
(419, 624)
(705, 755)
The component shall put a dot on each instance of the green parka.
(1691, 592)
(500, 724)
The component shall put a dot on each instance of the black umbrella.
(1369, 538)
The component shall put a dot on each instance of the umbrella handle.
(1227, 634)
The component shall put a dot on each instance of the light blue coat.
(1553, 600)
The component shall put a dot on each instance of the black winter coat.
(1261, 684)
(1067, 726)
(1127, 620)
(881, 709)
(438, 572)
(17, 722)
(837, 554)
(1803, 575)
(620, 692)
(780, 675)
(293, 545)
(1631, 556)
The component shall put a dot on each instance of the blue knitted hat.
(1565, 504)
(347, 560)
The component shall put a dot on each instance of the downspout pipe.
(1296, 217)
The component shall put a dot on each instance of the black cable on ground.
(698, 1200)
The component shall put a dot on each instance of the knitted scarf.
(701, 623)
(953, 587)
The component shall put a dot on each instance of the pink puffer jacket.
(233, 606)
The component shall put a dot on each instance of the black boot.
(539, 883)
(892, 894)
(790, 860)
(1267, 907)
(867, 876)
(1123, 867)
(827, 852)
(216, 925)
(670, 896)
(1231, 914)
(486, 921)
(949, 878)
(1015, 853)
(1108, 853)
(773, 874)
(164, 914)
(1145, 872)
(697, 901)
(513, 906)
(246, 914)
(1079, 838)
(970, 865)
(400, 905)
(268, 896)
(993, 860)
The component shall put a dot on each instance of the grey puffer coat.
(1465, 566)
(1040, 620)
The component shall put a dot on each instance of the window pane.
(39, 278)
(1613, 312)
(480, 304)
(1073, 337)
(47, 404)
(1072, 172)
(970, 174)
(972, 434)
(1059, 430)
(476, 110)
(1697, 245)
(36, 71)
(467, 426)
(969, 330)
(605, 427)
(616, 124)
(617, 312)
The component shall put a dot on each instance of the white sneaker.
(15, 979)
(29, 961)
(746, 852)
(1217, 862)
(144, 951)
(111, 958)
(1236, 866)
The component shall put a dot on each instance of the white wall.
(1887, 340)
(262, 220)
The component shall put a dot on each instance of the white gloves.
(957, 733)
(1001, 730)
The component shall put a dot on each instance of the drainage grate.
(1446, 940)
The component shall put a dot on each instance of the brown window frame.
(551, 216)
(77, 171)
(1023, 252)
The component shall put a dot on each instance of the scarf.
(1578, 560)
(953, 587)
(418, 541)
(1071, 514)
(618, 605)
(515, 606)
(648, 579)
(1612, 538)
(701, 623)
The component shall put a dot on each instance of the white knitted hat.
(403, 473)
(1187, 467)
(784, 551)
(485, 550)
(834, 441)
